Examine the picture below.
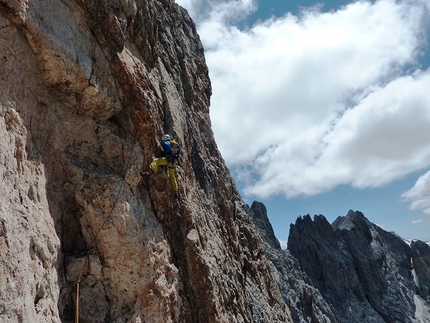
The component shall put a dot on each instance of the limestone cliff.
(87, 88)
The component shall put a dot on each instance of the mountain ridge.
(379, 273)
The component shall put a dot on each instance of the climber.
(171, 150)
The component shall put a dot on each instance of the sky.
(323, 107)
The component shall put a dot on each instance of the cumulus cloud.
(304, 103)
(419, 195)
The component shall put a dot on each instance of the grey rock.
(363, 271)
(304, 301)
(421, 265)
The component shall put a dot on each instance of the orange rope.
(77, 302)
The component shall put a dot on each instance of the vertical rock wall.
(87, 88)
(421, 265)
(29, 245)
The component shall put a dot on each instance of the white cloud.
(310, 103)
(419, 195)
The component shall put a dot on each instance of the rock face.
(304, 301)
(364, 272)
(87, 88)
(421, 268)
(28, 243)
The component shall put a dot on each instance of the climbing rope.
(78, 283)
(89, 250)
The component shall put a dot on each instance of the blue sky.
(319, 108)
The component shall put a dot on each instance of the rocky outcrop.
(304, 301)
(364, 272)
(421, 268)
(28, 242)
(87, 88)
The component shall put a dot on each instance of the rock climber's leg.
(158, 162)
(172, 177)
